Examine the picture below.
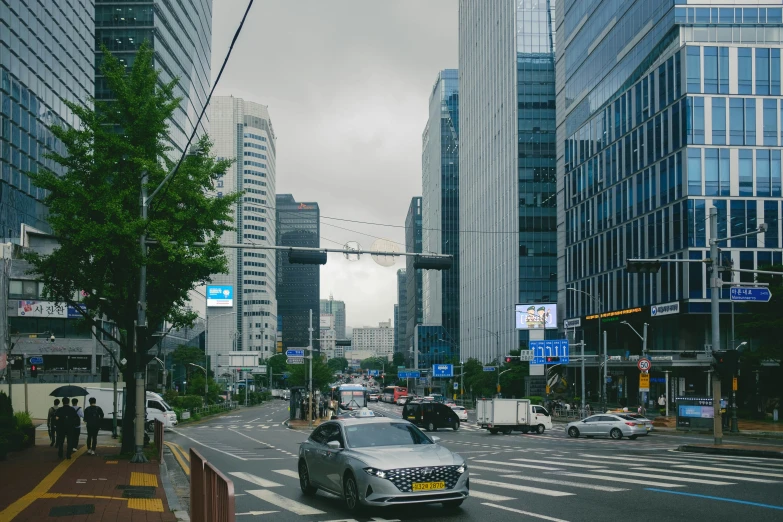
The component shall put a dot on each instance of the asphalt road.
(546, 477)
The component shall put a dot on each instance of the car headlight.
(462, 469)
(375, 472)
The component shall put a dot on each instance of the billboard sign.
(536, 316)
(326, 321)
(47, 309)
(220, 296)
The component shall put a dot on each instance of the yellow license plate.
(428, 486)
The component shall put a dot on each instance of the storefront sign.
(614, 314)
(47, 309)
(665, 309)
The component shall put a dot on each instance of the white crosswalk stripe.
(659, 477)
(287, 473)
(731, 470)
(517, 487)
(557, 461)
(532, 466)
(579, 485)
(489, 496)
(253, 479)
(711, 475)
(285, 503)
(592, 476)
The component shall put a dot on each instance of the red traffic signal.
(552, 360)
(33, 371)
(509, 359)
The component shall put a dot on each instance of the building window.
(770, 122)
(693, 64)
(711, 70)
(719, 121)
(762, 71)
(750, 121)
(723, 70)
(745, 172)
(694, 172)
(745, 70)
(736, 122)
(771, 218)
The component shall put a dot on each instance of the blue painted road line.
(746, 502)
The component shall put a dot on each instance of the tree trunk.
(129, 413)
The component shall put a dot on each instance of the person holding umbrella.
(65, 418)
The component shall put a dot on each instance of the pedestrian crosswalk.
(237, 426)
(506, 482)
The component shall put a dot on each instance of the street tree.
(94, 213)
(277, 363)
(374, 363)
(761, 327)
(398, 359)
(184, 355)
(338, 364)
(300, 373)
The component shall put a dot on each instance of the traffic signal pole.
(715, 287)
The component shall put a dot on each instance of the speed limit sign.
(644, 365)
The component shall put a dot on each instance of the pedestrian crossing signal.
(33, 371)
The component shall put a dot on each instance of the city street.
(549, 477)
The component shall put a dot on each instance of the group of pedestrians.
(65, 425)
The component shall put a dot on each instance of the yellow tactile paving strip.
(143, 479)
(141, 504)
(182, 456)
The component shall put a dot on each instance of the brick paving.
(39, 485)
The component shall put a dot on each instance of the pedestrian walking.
(65, 418)
(77, 429)
(93, 415)
(51, 422)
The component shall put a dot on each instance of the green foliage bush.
(23, 419)
(187, 402)
(6, 409)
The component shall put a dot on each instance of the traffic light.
(306, 257)
(342, 342)
(509, 359)
(550, 360)
(687, 355)
(725, 362)
(432, 263)
(33, 371)
(643, 267)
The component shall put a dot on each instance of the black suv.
(430, 415)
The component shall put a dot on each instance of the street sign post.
(489, 368)
(554, 348)
(295, 360)
(644, 365)
(526, 355)
(750, 293)
(456, 386)
(295, 353)
(411, 374)
(644, 382)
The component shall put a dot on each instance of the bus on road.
(350, 396)
(392, 393)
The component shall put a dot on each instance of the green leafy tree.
(94, 214)
(512, 382)
(184, 356)
(196, 387)
(279, 366)
(398, 359)
(761, 327)
(476, 379)
(300, 373)
(374, 363)
(338, 364)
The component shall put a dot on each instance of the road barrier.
(159, 439)
(211, 493)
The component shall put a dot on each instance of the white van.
(157, 408)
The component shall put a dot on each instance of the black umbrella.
(69, 391)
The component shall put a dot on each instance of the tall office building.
(378, 341)
(182, 40)
(298, 286)
(413, 313)
(507, 169)
(664, 112)
(401, 313)
(337, 309)
(242, 131)
(46, 57)
(440, 204)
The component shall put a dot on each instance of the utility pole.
(310, 349)
(715, 287)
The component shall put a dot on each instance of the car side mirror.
(334, 445)
(435, 439)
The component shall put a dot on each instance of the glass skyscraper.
(440, 204)
(182, 40)
(298, 286)
(413, 295)
(401, 313)
(242, 130)
(337, 309)
(665, 110)
(46, 57)
(507, 125)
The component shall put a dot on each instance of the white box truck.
(157, 408)
(507, 415)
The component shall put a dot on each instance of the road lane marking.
(608, 489)
(287, 473)
(533, 466)
(745, 460)
(285, 503)
(659, 477)
(757, 465)
(489, 496)
(528, 513)
(631, 459)
(256, 513)
(208, 446)
(622, 479)
(711, 475)
(730, 470)
(553, 461)
(517, 487)
(253, 479)
(722, 499)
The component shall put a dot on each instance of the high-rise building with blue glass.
(181, 36)
(507, 169)
(665, 109)
(401, 313)
(46, 59)
(440, 204)
(413, 312)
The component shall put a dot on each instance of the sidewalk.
(769, 452)
(85, 488)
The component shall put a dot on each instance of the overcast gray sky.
(347, 83)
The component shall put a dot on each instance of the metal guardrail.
(159, 439)
(572, 413)
(226, 406)
(211, 493)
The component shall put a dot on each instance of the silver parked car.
(380, 461)
(604, 424)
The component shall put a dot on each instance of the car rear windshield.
(383, 434)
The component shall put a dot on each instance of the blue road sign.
(409, 375)
(373, 373)
(750, 293)
(554, 348)
(489, 368)
(294, 353)
(442, 370)
(36, 360)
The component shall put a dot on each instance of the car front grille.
(404, 478)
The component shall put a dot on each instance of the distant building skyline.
(337, 309)
(412, 276)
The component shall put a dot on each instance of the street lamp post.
(605, 358)
(643, 396)
(734, 422)
(206, 386)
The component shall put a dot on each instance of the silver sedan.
(380, 461)
(604, 424)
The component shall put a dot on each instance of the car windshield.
(352, 399)
(383, 434)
